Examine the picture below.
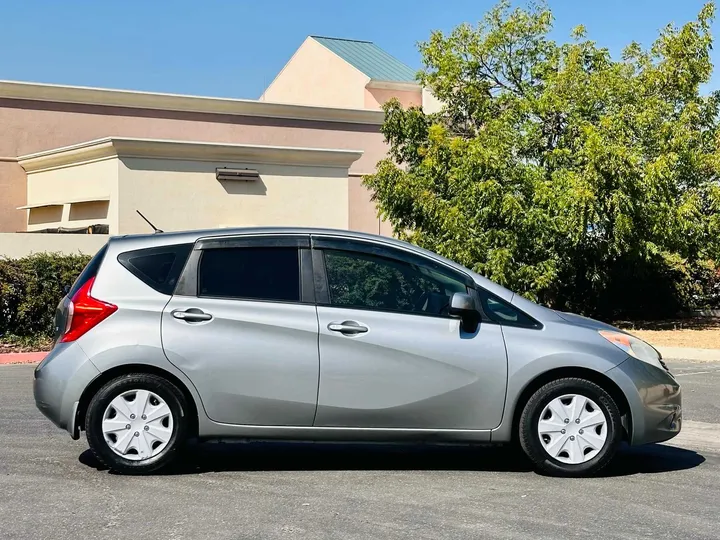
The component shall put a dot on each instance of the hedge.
(31, 288)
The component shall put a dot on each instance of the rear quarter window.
(158, 267)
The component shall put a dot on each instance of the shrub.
(707, 286)
(30, 290)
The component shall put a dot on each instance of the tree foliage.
(582, 181)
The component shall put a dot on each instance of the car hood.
(587, 322)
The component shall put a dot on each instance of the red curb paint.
(22, 358)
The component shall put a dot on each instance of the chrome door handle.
(347, 327)
(192, 315)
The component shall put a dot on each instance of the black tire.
(164, 389)
(530, 438)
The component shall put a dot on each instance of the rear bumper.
(655, 400)
(60, 380)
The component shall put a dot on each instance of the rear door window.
(254, 273)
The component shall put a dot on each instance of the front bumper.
(60, 380)
(655, 400)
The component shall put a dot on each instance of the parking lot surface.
(51, 487)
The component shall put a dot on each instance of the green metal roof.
(369, 58)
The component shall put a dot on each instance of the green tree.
(582, 181)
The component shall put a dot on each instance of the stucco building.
(72, 157)
(346, 73)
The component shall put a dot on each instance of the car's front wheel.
(135, 423)
(570, 427)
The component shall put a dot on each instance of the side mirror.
(463, 307)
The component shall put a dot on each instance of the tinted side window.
(361, 280)
(503, 313)
(258, 273)
(158, 267)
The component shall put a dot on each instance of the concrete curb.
(21, 358)
(689, 353)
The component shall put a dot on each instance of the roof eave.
(394, 85)
(109, 147)
(185, 103)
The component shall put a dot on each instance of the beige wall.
(362, 212)
(430, 103)
(72, 182)
(44, 216)
(363, 215)
(91, 211)
(376, 97)
(177, 195)
(82, 181)
(316, 76)
(16, 245)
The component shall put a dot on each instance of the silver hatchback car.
(305, 334)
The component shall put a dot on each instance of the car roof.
(179, 237)
(138, 241)
(134, 241)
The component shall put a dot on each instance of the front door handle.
(347, 327)
(192, 315)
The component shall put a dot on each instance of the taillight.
(85, 312)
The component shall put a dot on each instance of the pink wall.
(32, 126)
(12, 195)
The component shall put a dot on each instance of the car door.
(390, 355)
(243, 327)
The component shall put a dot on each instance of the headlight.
(633, 346)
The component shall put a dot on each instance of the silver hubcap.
(137, 424)
(572, 429)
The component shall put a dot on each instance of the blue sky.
(235, 48)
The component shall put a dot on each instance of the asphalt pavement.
(51, 488)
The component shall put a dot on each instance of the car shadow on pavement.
(651, 458)
(200, 458)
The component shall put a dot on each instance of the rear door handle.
(192, 315)
(347, 327)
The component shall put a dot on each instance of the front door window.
(365, 281)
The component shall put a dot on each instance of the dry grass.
(700, 333)
(14, 344)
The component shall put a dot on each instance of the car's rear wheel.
(570, 427)
(136, 422)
